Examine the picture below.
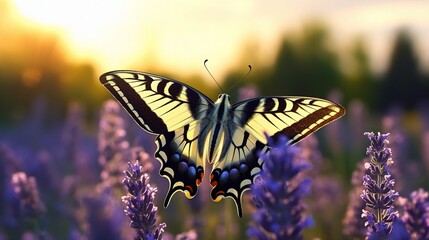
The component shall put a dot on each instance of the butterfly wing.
(158, 104)
(252, 120)
(293, 117)
(180, 155)
(174, 111)
(238, 165)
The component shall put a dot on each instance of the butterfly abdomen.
(220, 116)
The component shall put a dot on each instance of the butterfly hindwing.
(181, 163)
(238, 165)
(293, 117)
(156, 103)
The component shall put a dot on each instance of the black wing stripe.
(149, 120)
(307, 125)
(296, 117)
(157, 104)
(175, 89)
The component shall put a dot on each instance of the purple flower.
(112, 146)
(247, 92)
(140, 206)
(189, 235)
(416, 214)
(28, 194)
(378, 193)
(278, 195)
(353, 222)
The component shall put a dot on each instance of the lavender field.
(74, 165)
(66, 180)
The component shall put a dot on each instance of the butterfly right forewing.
(293, 117)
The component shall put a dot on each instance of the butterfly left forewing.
(158, 104)
(293, 117)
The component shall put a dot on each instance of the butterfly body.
(193, 130)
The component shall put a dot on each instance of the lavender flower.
(378, 194)
(189, 235)
(416, 214)
(353, 222)
(102, 216)
(247, 92)
(112, 145)
(278, 195)
(26, 189)
(140, 207)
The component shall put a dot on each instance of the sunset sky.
(179, 35)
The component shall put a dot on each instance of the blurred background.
(370, 56)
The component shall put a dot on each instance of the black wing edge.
(156, 124)
(299, 126)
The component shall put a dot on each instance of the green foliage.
(402, 84)
(360, 83)
(306, 63)
(304, 66)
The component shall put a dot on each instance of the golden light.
(88, 29)
(179, 35)
(78, 16)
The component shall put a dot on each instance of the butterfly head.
(225, 98)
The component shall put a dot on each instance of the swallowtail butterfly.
(192, 129)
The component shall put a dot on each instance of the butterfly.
(193, 130)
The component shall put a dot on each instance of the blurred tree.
(360, 81)
(35, 66)
(402, 84)
(305, 65)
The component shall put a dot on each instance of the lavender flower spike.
(416, 215)
(26, 190)
(140, 207)
(378, 193)
(279, 194)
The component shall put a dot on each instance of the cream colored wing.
(293, 117)
(157, 104)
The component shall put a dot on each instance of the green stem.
(379, 180)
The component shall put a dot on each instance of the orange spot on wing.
(188, 194)
(198, 181)
(219, 197)
(188, 190)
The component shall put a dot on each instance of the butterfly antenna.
(250, 69)
(205, 62)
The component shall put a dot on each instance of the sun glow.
(88, 27)
(181, 34)
(74, 15)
